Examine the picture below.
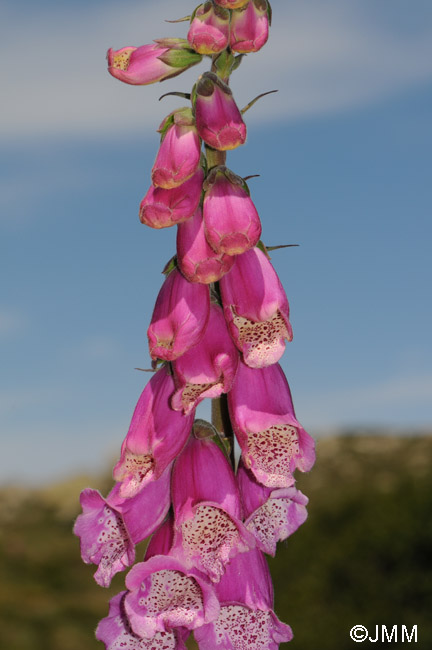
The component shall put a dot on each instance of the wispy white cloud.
(323, 57)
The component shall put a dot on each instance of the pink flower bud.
(109, 528)
(180, 150)
(218, 119)
(150, 63)
(196, 259)
(250, 27)
(246, 618)
(231, 221)
(161, 208)
(208, 369)
(272, 441)
(231, 4)
(209, 30)
(156, 436)
(179, 318)
(115, 632)
(271, 515)
(162, 539)
(256, 309)
(163, 594)
(207, 509)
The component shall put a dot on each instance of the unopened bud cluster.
(218, 330)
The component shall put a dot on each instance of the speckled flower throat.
(219, 328)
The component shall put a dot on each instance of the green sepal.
(237, 60)
(251, 103)
(180, 58)
(223, 64)
(263, 248)
(170, 265)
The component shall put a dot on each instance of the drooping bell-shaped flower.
(161, 208)
(207, 509)
(165, 595)
(231, 221)
(256, 309)
(179, 152)
(208, 369)
(116, 633)
(271, 515)
(109, 528)
(156, 436)
(272, 441)
(196, 259)
(246, 620)
(250, 27)
(165, 58)
(209, 29)
(218, 118)
(231, 4)
(179, 317)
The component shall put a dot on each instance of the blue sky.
(344, 157)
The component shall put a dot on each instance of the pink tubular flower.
(272, 441)
(163, 594)
(271, 515)
(109, 528)
(196, 259)
(207, 509)
(179, 318)
(165, 58)
(218, 119)
(231, 221)
(250, 27)
(115, 632)
(180, 150)
(156, 436)
(208, 369)
(209, 29)
(256, 309)
(246, 619)
(161, 208)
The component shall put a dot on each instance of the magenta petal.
(239, 627)
(179, 318)
(196, 259)
(208, 369)
(138, 65)
(162, 208)
(256, 309)
(156, 435)
(218, 119)
(116, 633)
(231, 221)
(272, 441)
(271, 515)
(178, 156)
(162, 539)
(250, 27)
(104, 538)
(207, 509)
(163, 594)
(209, 29)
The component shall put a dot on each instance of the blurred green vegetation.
(364, 556)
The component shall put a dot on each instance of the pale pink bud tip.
(256, 309)
(250, 27)
(231, 221)
(209, 30)
(218, 119)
